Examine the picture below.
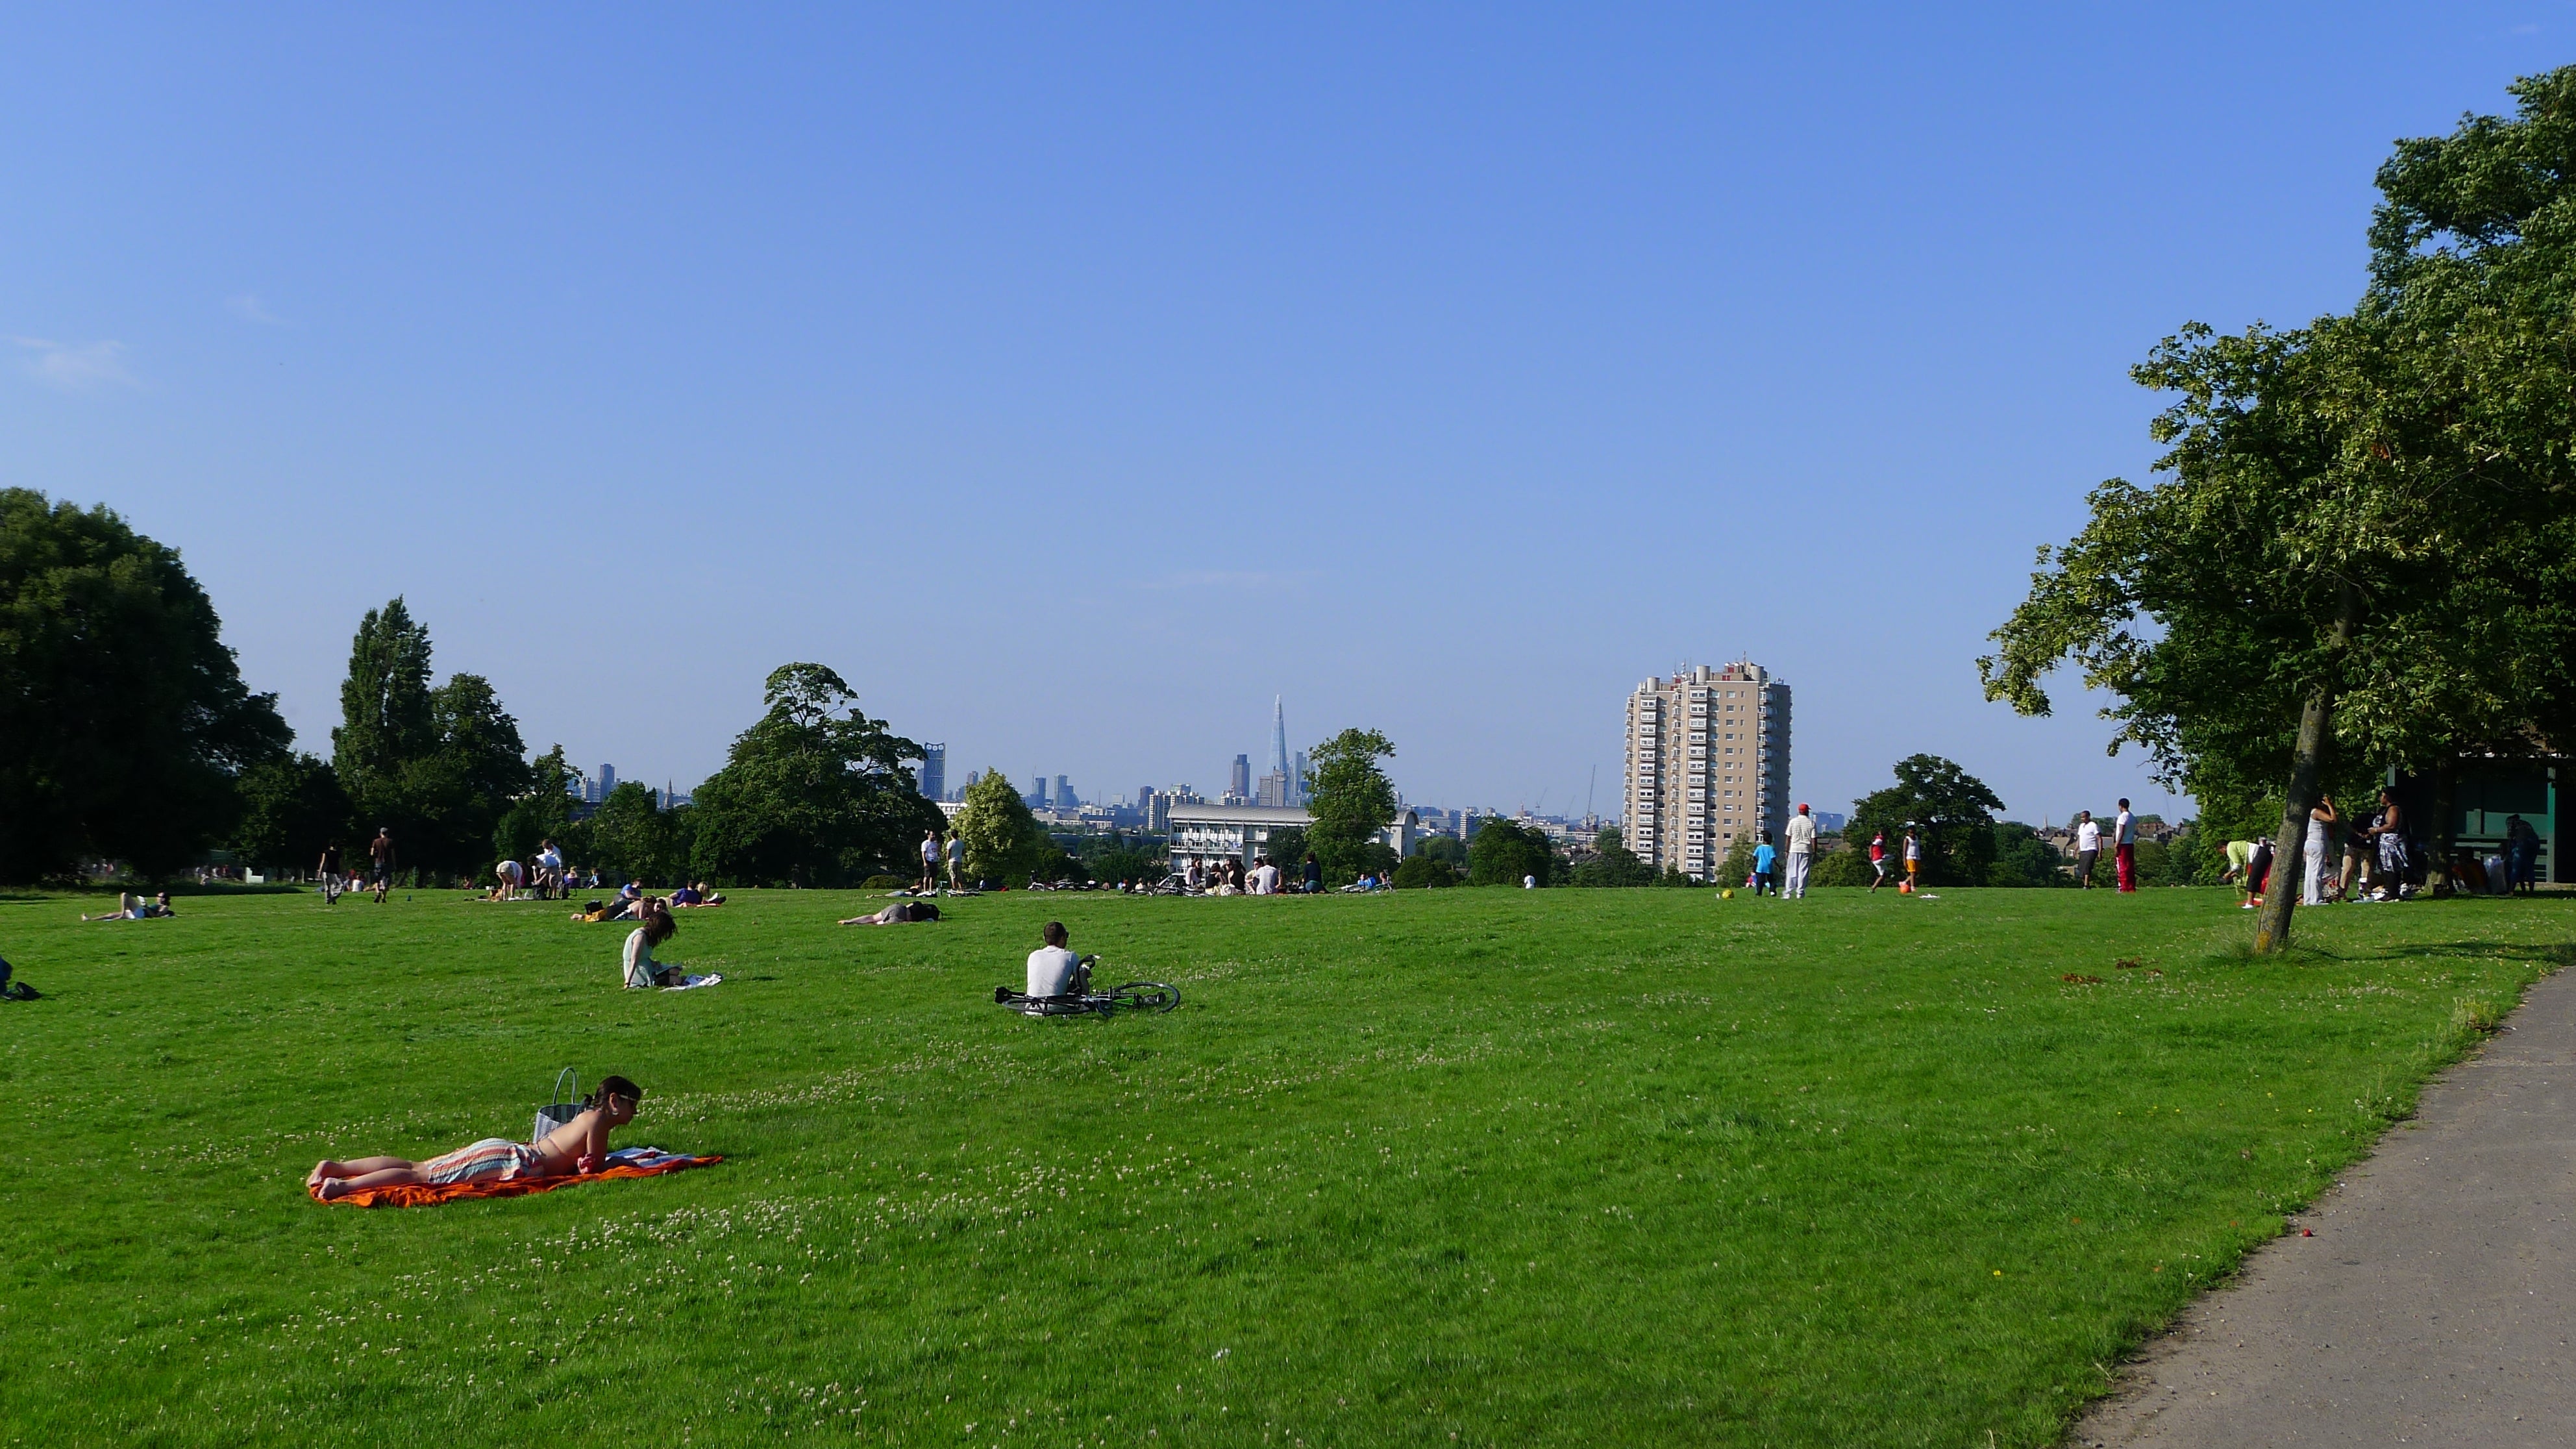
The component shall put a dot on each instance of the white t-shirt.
(2088, 836)
(1051, 971)
(2128, 829)
(956, 850)
(930, 852)
(1265, 880)
(550, 860)
(639, 959)
(1802, 835)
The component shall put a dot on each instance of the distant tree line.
(127, 737)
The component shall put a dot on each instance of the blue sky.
(1075, 380)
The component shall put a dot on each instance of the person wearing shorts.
(380, 863)
(1913, 863)
(956, 861)
(2088, 847)
(1878, 859)
(333, 875)
(580, 1145)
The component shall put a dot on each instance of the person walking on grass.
(1878, 860)
(2124, 845)
(2088, 847)
(332, 876)
(1763, 858)
(380, 862)
(1802, 851)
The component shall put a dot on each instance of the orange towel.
(421, 1195)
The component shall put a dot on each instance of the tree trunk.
(2289, 849)
(2281, 892)
(2438, 840)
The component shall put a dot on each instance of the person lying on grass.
(580, 1145)
(697, 896)
(136, 908)
(640, 967)
(900, 913)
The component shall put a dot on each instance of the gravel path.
(2436, 1303)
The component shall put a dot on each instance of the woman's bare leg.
(403, 1176)
(356, 1167)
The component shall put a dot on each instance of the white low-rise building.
(1209, 833)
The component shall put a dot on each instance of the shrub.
(1423, 872)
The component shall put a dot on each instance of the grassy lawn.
(1473, 1166)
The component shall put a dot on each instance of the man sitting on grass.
(580, 1145)
(1053, 968)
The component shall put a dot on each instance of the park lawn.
(1468, 1166)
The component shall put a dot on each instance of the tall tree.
(387, 723)
(1504, 852)
(1952, 810)
(542, 813)
(1003, 840)
(2361, 555)
(123, 718)
(814, 794)
(1352, 801)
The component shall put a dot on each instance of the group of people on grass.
(2373, 858)
(340, 877)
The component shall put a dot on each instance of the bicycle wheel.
(1144, 996)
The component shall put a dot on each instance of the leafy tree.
(1613, 864)
(1425, 872)
(291, 807)
(2021, 858)
(1848, 866)
(814, 794)
(123, 719)
(1003, 840)
(1505, 851)
(387, 724)
(631, 838)
(1287, 849)
(544, 813)
(475, 769)
(1953, 810)
(1128, 865)
(1352, 801)
(1448, 849)
(439, 765)
(2362, 553)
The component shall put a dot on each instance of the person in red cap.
(1802, 850)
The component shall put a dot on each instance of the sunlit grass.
(1513, 1167)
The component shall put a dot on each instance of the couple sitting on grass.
(580, 1145)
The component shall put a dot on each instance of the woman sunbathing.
(136, 908)
(580, 1145)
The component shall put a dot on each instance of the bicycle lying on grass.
(1083, 1001)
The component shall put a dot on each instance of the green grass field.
(1472, 1166)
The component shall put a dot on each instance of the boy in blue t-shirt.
(1763, 856)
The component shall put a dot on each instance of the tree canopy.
(1351, 802)
(1003, 841)
(439, 765)
(1504, 851)
(813, 794)
(2361, 550)
(1953, 811)
(123, 718)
